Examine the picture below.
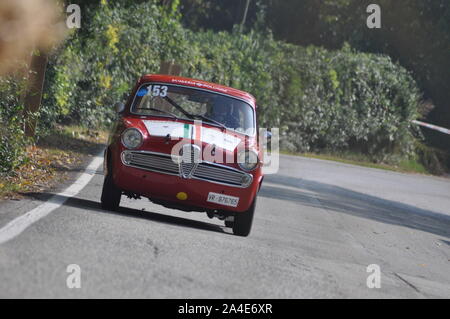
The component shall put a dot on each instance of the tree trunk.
(244, 18)
(169, 67)
(33, 95)
(166, 3)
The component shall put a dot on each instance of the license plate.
(223, 199)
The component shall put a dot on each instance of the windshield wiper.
(179, 107)
(161, 111)
(192, 116)
(210, 120)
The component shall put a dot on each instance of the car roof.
(200, 85)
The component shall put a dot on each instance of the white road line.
(19, 224)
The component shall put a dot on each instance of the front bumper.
(166, 187)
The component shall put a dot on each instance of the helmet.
(221, 110)
(220, 107)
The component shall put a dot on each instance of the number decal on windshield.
(158, 90)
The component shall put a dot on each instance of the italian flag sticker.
(197, 131)
(186, 131)
(193, 132)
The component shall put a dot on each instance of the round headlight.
(132, 138)
(246, 180)
(248, 160)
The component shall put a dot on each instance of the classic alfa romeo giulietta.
(186, 144)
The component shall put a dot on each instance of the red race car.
(189, 145)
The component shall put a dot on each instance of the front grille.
(160, 163)
(163, 163)
(190, 155)
(219, 174)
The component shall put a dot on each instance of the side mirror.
(120, 107)
(267, 139)
(267, 135)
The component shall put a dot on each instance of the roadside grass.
(50, 160)
(405, 166)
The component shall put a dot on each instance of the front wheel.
(229, 223)
(110, 194)
(243, 221)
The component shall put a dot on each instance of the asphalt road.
(318, 225)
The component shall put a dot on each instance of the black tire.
(110, 194)
(243, 221)
(229, 224)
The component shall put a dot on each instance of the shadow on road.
(91, 206)
(342, 200)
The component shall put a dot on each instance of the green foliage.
(12, 141)
(433, 159)
(118, 45)
(415, 32)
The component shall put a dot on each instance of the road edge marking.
(16, 226)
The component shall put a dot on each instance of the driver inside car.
(223, 112)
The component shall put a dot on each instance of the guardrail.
(433, 127)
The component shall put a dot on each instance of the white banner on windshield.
(196, 132)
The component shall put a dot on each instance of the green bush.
(95, 68)
(12, 140)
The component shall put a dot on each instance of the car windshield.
(193, 104)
